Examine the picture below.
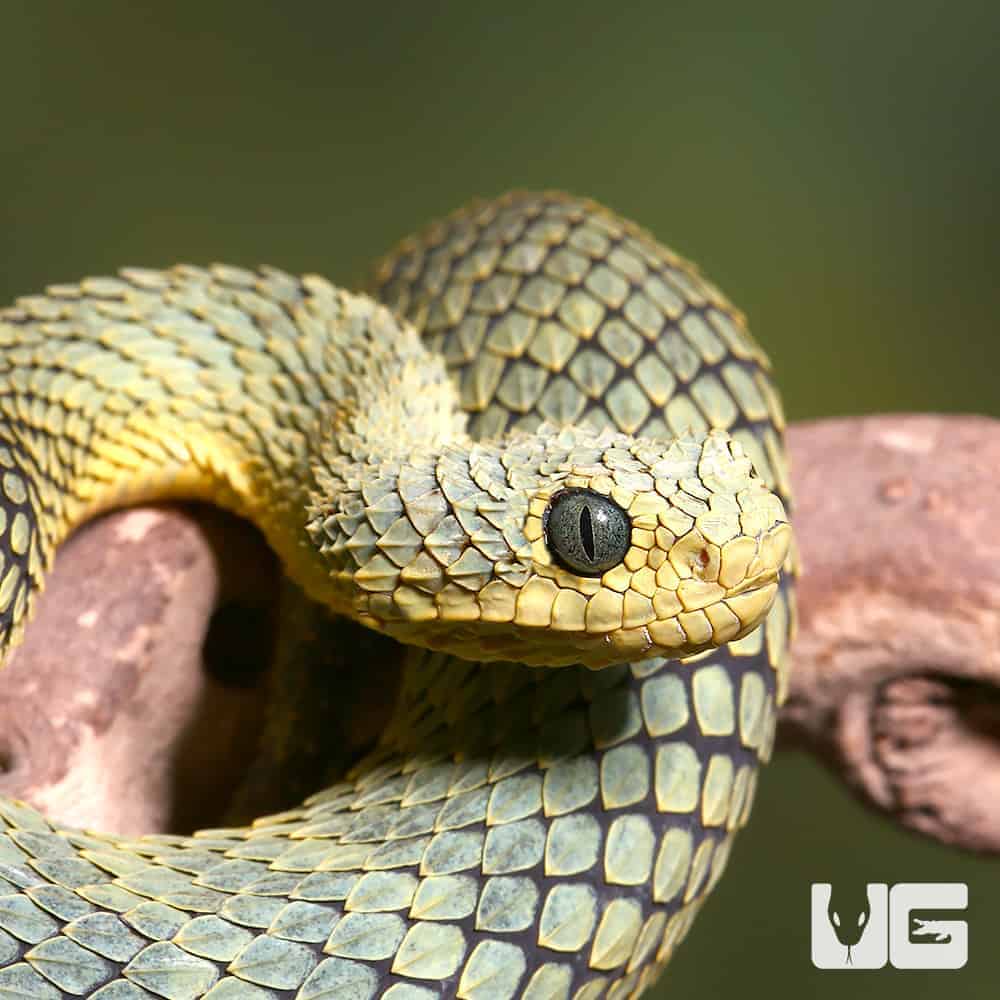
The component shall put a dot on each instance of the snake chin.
(683, 635)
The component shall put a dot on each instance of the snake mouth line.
(752, 600)
(692, 630)
(754, 586)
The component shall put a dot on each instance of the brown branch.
(117, 714)
(897, 663)
(108, 716)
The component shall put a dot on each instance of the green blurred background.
(832, 166)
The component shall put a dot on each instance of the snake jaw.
(727, 620)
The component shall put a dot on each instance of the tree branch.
(897, 663)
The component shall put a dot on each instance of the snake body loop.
(558, 479)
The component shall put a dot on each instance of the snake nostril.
(700, 561)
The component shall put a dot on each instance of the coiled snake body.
(546, 463)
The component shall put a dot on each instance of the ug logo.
(909, 925)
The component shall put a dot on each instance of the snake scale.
(550, 464)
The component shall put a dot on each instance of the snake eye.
(586, 532)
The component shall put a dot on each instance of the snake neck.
(389, 415)
(250, 390)
(402, 529)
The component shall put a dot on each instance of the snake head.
(569, 546)
(653, 550)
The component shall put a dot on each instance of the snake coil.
(555, 472)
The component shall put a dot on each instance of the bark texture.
(897, 661)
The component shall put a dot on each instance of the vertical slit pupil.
(587, 532)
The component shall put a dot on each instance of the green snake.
(549, 462)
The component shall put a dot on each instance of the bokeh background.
(833, 167)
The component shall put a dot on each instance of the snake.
(543, 456)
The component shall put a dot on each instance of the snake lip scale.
(546, 455)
